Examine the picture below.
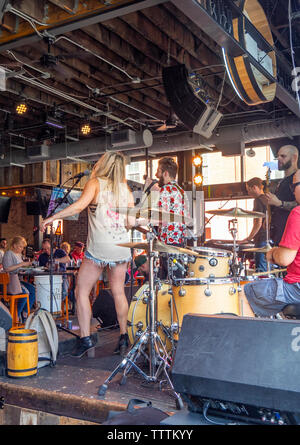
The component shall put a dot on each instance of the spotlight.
(197, 161)
(198, 179)
(21, 108)
(85, 129)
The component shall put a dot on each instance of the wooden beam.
(61, 22)
(70, 6)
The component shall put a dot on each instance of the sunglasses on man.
(293, 186)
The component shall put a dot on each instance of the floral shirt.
(172, 200)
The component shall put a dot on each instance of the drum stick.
(257, 274)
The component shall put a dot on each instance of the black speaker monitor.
(5, 203)
(33, 208)
(236, 366)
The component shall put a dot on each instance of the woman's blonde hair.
(65, 246)
(18, 240)
(111, 166)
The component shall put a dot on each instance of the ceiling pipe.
(91, 149)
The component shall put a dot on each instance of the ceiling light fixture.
(21, 108)
(85, 129)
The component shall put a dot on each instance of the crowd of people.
(107, 190)
(13, 258)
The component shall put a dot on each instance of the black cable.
(205, 409)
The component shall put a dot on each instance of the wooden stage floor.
(71, 387)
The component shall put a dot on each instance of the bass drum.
(200, 296)
(138, 317)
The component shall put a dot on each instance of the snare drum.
(212, 263)
(200, 296)
(138, 316)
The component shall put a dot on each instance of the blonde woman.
(12, 262)
(105, 191)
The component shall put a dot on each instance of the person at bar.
(12, 262)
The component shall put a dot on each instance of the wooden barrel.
(22, 353)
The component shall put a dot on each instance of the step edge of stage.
(61, 404)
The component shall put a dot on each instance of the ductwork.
(224, 140)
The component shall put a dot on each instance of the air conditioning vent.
(38, 152)
(123, 138)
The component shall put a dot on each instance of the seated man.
(78, 253)
(268, 297)
(142, 265)
(60, 257)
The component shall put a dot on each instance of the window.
(218, 169)
(253, 166)
(219, 224)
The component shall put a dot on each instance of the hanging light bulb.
(197, 161)
(198, 179)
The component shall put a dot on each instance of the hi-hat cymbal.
(158, 246)
(155, 215)
(264, 249)
(236, 212)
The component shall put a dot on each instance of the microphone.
(179, 266)
(80, 175)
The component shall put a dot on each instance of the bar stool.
(12, 300)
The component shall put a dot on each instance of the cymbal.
(143, 246)
(236, 212)
(264, 249)
(156, 215)
(158, 246)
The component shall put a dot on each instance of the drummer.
(142, 264)
(258, 234)
(269, 297)
(172, 199)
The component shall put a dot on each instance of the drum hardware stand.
(61, 201)
(268, 239)
(237, 267)
(158, 362)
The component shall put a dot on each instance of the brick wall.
(76, 230)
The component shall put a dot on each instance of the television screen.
(4, 209)
(56, 201)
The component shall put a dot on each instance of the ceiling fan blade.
(162, 128)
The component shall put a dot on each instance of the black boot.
(122, 345)
(84, 344)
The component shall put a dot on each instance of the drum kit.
(200, 280)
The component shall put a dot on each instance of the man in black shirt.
(258, 234)
(283, 201)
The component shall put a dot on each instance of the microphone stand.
(62, 200)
